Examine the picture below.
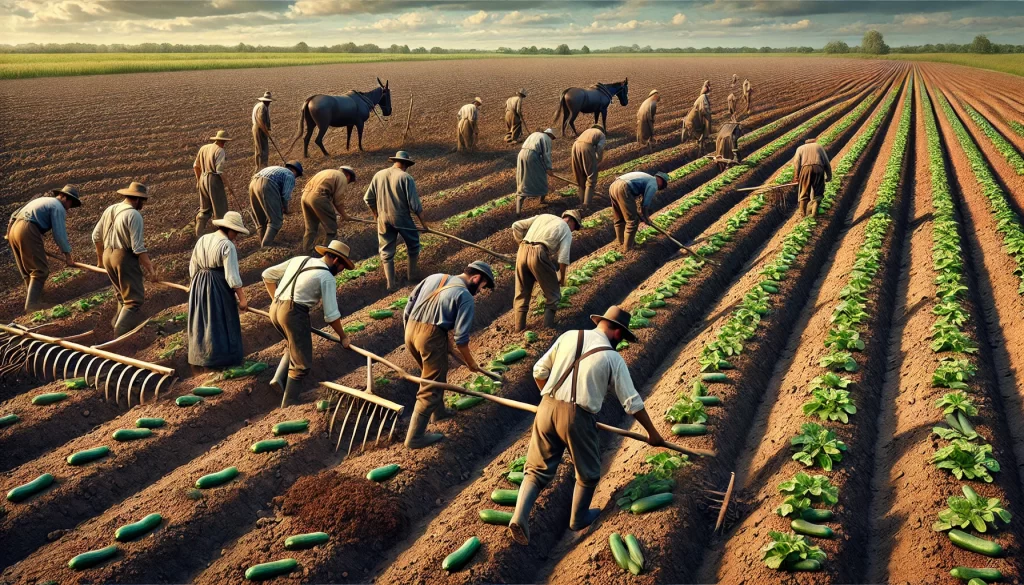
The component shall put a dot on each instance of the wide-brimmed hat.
(550, 132)
(810, 141)
(402, 156)
(653, 91)
(221, 135)
(266, 97)
(619, 317)
(294, 165)
(136, 189)
(522, 91)
(663, 176)
(72, 192)
(349, 170)
(485, 269)
(338, 249)
(478, 101)
(232, 220)
(575, 215)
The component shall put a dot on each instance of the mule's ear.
(379, 83)
(386, 83)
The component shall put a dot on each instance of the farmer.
(296, 286)
(322, 204)
(543, 258)
(730, 104)
(645, 118)
(812, 170)
(587, 152)
(727, 150)
(214, 331)
(208, 167)
(25, 231)
(392, 199)
(121, 251)
(467, 131)
(514, 116)
(574, 376)
(631, 196)
(261, 132)
(734, 78)
(270, 190)
(439, 305)
(703, 106)
(533, 167)
(746, 95)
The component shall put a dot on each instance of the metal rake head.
(374, 412)
(720, 500)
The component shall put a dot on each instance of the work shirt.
(546, 229)
(452, 309)
(594, 373)
(641, 184)
(120, 228)
(595, 137)
(330, 183)
(514, 104)
(809, 154)
(283, 177)
(703, 103)
(48, 213)
(310, 287)
(215, 250)
(210, 159)
(392, 192)
(540, 143)
(261, 116)
(468, 112)
(647, 109)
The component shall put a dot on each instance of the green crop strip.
(1002, 145)
(1007, 222)
(1017, 126)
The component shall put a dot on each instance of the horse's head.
(385, 97)
(623, 92)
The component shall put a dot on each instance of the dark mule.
(351, 109)
(593, 100)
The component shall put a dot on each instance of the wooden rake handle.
(99, 270)
(681, 245)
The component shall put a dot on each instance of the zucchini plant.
(831, 405)
(657, 480)
(803, 490)
(971, 511)
(787, 549)
(817, 445)
(965, 459)
(998, 141)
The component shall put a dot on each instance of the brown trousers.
(26, 242)
(213, 201)
(292, 321)
(625, 213)
(556, 426)
(534, 266)
(428, 346)
(317, 210)
(514, 123)
(261, 148)
(125, 274)
(584, 169)
(811, 177)
(644, 131)
(466, 135)
(267, 204)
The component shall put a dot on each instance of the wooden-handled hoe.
(427, 230)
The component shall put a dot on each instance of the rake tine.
(56, 360)
(355, 428)
(142, 391)
(344, 423)
(96, 377)
(110, 372)
(337, 407)
(46, 359)
(67, 364)
(117, 387)
(156, 393)
(10, 368)
(725, 502)
(33, 350)
(393, 423)
(369, 423)
(131, 382)
(380, 429)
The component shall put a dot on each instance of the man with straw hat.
(533, 167)
(296, 286)
(120, 249)
(214, 331)
(574, 377)
(467, 131)
(261, 132)
(632, 195)
(25, 230)
(440, 304)
(587, 153)
(270, 190)
(514, 116)
(645, 118)
(812, 170)
(543, 258)
(208, 167)
(392, 199)
(322, 203)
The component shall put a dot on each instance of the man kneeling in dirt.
(812, 170)
(25, 231)
(543, 258)
(573, 378)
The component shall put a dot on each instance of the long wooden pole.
(99, 270)
(497, 255)
(681, 245)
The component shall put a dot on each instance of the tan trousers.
(625, 214)
(466, 135)
(556, 426)
(514, 123)
(125, 274)
(292, 321)
(534, 266)
(26, 242)
(644, 131)
(811, 177)
(261, 149)
(317, 210)
(584, 169)
(213, 201)
(428, 346)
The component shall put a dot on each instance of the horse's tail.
(562, 110)
(304, 118)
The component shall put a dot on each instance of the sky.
(489, 24)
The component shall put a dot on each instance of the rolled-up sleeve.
(136, 226)
(329, 298)
(231, 274)
(275, 273)
(624, 388)
(58, 226)
(542, 369)
(464, 318)
(97, 232)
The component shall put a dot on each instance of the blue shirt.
(451, 309)
(283, 177)
(48, 213)
(641, 184)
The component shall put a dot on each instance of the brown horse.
(592, 100)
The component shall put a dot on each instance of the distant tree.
(505, 50)
(874, 44)
(562, 49)
(349, 47)
(437, 51)
(647, 49)
(585, 50)
(766, 49)
(982, 45)
(301, 47)
(834, 47)
(420, 50)
(805, 49)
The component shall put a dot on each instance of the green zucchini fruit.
(967, 574)
(215, 479)
(965, 424)
(513, 356)
(291, 426)
(187, 400)
(131, 434)
(953, 423)
(661, 486)
(633, 567)
(724, 365)
(323, 405)
(206, 391)
(304, 541)
(75, 384)
(619, 552)
(26, 491)
(83, 457)
(801, 526)
(689, 430)
(816, 515)
(268, 445)
(976, 582)
(656, 304)
(255, 368)
(134, 530)
(975, 544)
(384, 472)
(516, 477)
(264, 571)
(467, 402)
(496, 517)
(354, 327)
(149, 423)
(769, 288)
(381, 313)
(505, 497)
(651, 503)
(48, 398)
(648, 313)
(774, 283)
(714, 377)
(708, 400)
(8, 420)
(460, 557)
(497, 366)
(93, 558)
(635, 553)
(805, 565)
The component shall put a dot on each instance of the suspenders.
(295, 277)
(574, 370)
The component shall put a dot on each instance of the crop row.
(1002, 144)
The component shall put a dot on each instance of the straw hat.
(266, 97)
(653, 92)
(402, 156)
(337, 249)
(295, 166)
(575, 215)
(136, 189)
(662, 176)
(619, 317)
(350, 171)
(485, 269)
(232, 220)
(550, 132)
(478, 101)
(522, 91)
(72, 193)
(221, 135)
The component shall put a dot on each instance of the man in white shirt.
(573, 377)
(543, 257)
(632, 195)
(304, 282)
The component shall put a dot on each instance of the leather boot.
(519, 527)
(389, 274)
(812, 207)
(34, 296)
(268, 238)
(519, 205)
(802, 208)
(201, 225)
(619, 231)
(291, 391)
(417, 437)
(582, 514)
(412, 271)
(128, 319)
(629, 240)
(277, 383)
(441, 413)
(520, 321)
(117, 314)
(549, 317)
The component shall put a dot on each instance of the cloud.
(679, 19)
(625, 10)
(475, 19)
(798, 25)
(517, 18)
(332, 7)
(60, 12)
(404, 22)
